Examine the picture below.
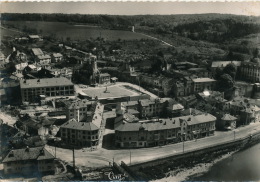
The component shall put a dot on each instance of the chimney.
(27, 149)
(42, 152)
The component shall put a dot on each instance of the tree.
(10, 67)
(219, 73)
(230, 69)
(225, 82)
(256, 53)
(230, 55)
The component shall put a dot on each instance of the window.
(130, 138)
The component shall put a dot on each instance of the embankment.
(173, 164)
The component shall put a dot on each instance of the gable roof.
(228, 117)
(36, 153)
(73, 124)
(37, 51)
(164, 124)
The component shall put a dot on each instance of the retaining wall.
(240, 144)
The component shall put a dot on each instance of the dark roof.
(191, 111)
(45, 82)
(73, 124)
(38, 123)
(76, 104)
(36, 153)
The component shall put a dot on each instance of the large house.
(56, 57)
(83, 127)
(77, 109)
(28, 161)
(250, 71)
(51, 87)
(201, 84)
(81, 134)
(163, 131)
(223, 64)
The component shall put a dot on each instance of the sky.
(133, 8)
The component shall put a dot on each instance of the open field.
(112, 91)
(64, 30)
(4, 33)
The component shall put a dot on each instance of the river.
(241, 166)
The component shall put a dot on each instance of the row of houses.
(163, 131)
(46, 59)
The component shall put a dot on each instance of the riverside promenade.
(102, 156)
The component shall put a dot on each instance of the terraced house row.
(132, 134)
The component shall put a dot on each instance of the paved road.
(102, 157)
(158, 40)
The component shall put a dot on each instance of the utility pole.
(130, 157)
(234, 135)
(183, 143)
(73, 152)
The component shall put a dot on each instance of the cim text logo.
(115, 177)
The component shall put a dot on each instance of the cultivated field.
(74, 32)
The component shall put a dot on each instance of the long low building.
(28, 161)
(51, 87)
(164, 131)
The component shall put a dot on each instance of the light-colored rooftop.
(197, 80)
(216, 64)
(34, 36)
(45, 56)
(37, 51)
(165, 124)
(57, 55)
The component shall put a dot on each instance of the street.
(102, 156)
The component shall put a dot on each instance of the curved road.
(157, 39)
(102, 156)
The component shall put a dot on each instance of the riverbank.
(182, 169)
(184, 174)
(181, 166)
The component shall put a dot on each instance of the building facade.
(201, 84)
(250, 71)
(80, 134)
(28, 161)
(51, 87)
(77, 109)
(164, 131)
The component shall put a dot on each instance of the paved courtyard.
(109, 92)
